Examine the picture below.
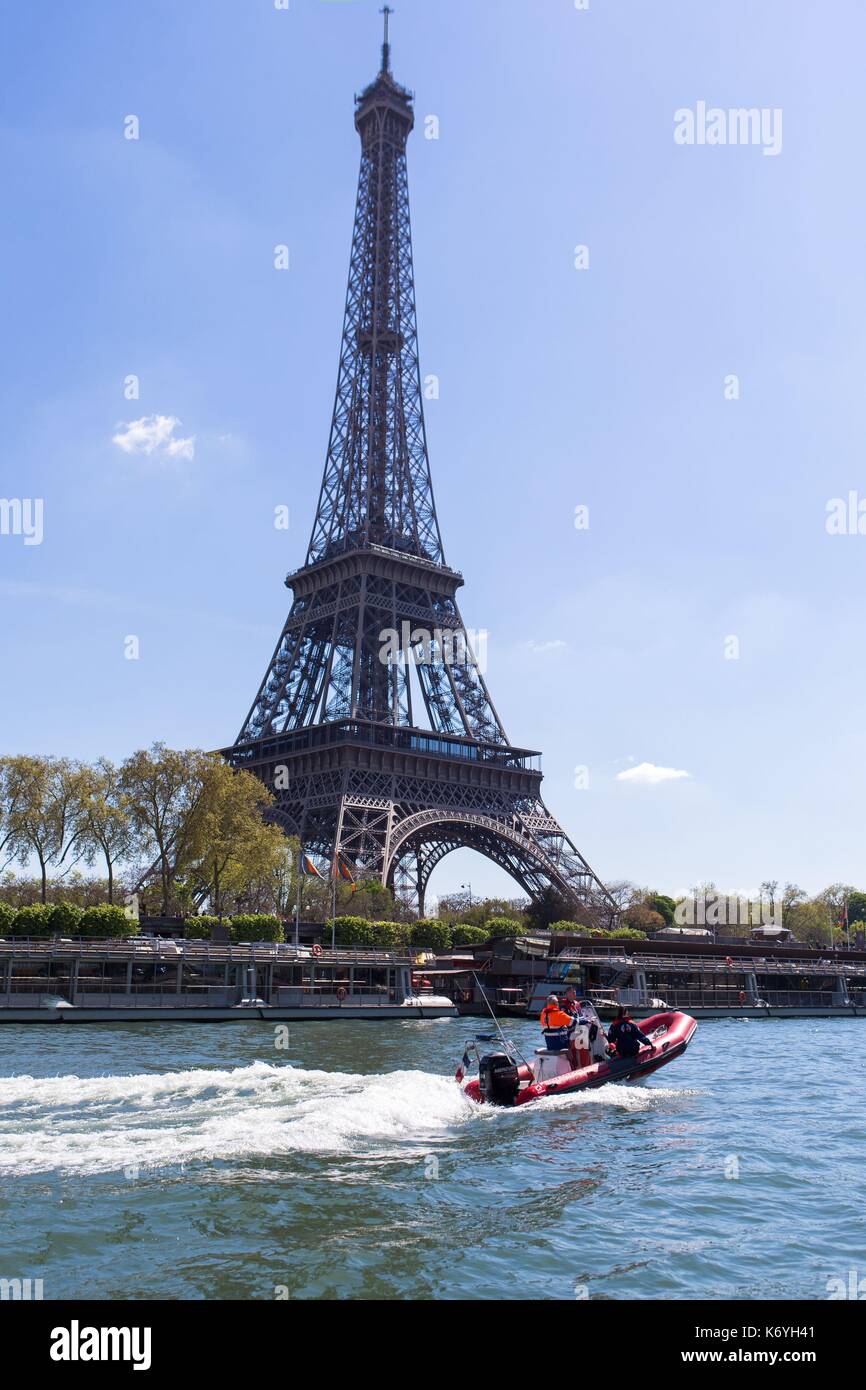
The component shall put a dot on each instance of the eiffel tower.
(373, 725)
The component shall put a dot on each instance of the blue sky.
(602, 387)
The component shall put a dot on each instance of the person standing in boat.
(557, 1025)
(626, 1037)
(586, 1018)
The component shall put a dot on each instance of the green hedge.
(199, 928)
(32, 921)
(465, 935)
(107, 920)
(256, 926)
(7, 917)
(504, 926)
(66, 918)
(354, 931)
(430, 934)
(376, 936)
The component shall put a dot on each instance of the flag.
(308, 867)
(463, 1067)
(843, 919)
(342, 870)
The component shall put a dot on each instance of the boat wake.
(132, 1124)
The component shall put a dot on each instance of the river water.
(205, 1161)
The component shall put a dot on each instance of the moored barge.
(140, 980)
(721, 979)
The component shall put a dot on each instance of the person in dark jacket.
(626, 1037)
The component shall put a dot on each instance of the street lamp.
(468, 887)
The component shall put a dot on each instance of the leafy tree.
(42, 800)
(163, 790)
(549, 906)
(834, 897)
(7, 915)
(370, 899)
(811, 922)
(663, 905)
(643, 919)
(105, 823)
(792, 896)
(231, 846)
(856, 908)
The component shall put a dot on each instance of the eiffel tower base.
(393, 802)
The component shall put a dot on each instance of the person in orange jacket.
(556, 1025)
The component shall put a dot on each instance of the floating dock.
(144, 980)
(709, 980)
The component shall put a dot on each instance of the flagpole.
(298, 902)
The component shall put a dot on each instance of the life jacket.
(556, 1025)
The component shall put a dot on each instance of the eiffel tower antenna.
(373, 725)
(386, 47)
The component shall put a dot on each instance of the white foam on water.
(111, 1123)
(623, 1097)
(107, 1123)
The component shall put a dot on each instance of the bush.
(375, 936)
(430, 934)
(570, 926)
(106, 920)
(199, 928)
(504, 926)
(65, 918)
(464, 935)
(32, 921)
(355, 931)
(391, 936)
(256, 926)
(7, 916)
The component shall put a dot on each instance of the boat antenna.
(507, 1043)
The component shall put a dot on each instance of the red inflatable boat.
(504, 1080)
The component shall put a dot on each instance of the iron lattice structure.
(373, 724)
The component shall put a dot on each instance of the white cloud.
(555, 646)
(154, 434)
(648, 775)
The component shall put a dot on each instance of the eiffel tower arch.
(373, 725)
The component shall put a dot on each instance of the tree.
(769, 887)
(163, 790)
(549, 906)
(643, 919)
(835, 897)
(42, 801)
(105, 822)
(371, 899)
(811, 922)
(792, 895)
(856, 908)
(231, 846)
(662, 904)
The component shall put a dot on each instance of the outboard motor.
(498, 1079)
